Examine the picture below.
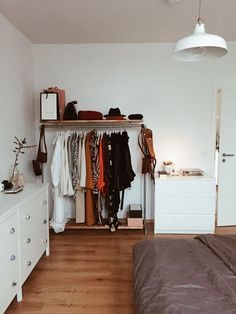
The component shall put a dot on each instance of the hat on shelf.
(114, 114)
(89, 115)
(135, 116)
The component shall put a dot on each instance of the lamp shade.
(199, 46)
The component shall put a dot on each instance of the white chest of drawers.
(24, 237)
(185, 204)
(9, 259)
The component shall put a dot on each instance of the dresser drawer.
(34, 229)
(30, 255)
(9, 235)
(9, 284)
(32, 245)
(185, 188)
(23, 238)
(33, 213)
(9, 261)
(33, 233)
(184, 224)
(185, 206)
(34, 221)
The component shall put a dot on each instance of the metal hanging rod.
(93, 124)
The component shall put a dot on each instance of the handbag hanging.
(145, 142)
(42, 153)
(42, 148)
(37, 167)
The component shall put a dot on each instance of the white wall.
(17, 116)
(176, 99)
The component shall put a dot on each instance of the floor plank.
(87, 272)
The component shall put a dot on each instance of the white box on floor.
(135, 222)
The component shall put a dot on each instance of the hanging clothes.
(100, 183)
(127, 173)
(89, 207)
(76, 180)
(58, 220)
(83, 163)
(91, 169)
(74, 156)
(66, 181)
(119, 173)
(93, 143)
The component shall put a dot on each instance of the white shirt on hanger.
(58, 220)
(83, 164)
(66, 182)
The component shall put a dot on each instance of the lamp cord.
(199, 20)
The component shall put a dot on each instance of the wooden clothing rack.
(101, 124)
(94, 123)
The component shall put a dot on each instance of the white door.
(227, 159)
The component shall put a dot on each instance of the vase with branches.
(21, 145)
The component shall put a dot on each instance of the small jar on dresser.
(185, 204)
(24, 237)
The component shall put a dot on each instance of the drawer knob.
(28, 240)
(27, 217)
(28, 263)
(13, 257)
(12, 230)
(44, 202)
(45, 221)
(45, 240)
(14, 283)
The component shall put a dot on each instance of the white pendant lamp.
(200, 45)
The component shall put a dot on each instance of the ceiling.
(117, 21)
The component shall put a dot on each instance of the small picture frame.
(49, 109)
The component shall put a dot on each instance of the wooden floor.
(87, 272)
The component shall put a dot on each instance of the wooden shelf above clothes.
(93, 123)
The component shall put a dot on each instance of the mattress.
(185, 276)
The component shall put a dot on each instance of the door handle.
(227, 155)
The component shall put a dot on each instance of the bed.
(185, 276)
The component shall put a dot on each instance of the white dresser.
(9, 259)
(185, 204)
(24, 237)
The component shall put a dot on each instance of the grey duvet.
(185, 276)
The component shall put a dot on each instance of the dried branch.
(18, 150)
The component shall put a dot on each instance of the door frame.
(215, 90)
